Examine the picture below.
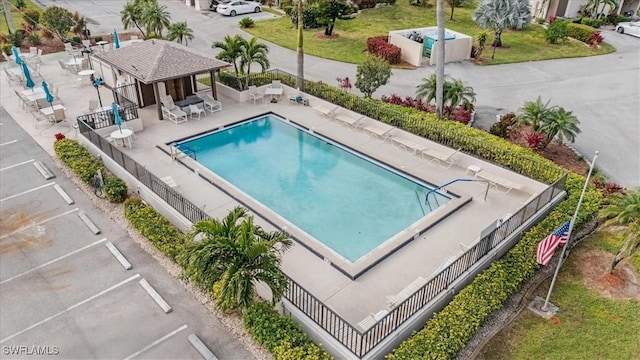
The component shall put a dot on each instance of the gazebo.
(159, 67)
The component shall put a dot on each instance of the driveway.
(602, 91)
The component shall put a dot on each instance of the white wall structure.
(457, 45)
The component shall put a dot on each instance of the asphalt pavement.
(62, 291)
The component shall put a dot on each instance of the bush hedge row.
(379, 46)
(580, 32)
(280, 334)
(83, 164)
(449, 330)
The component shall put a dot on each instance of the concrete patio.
(352, 299)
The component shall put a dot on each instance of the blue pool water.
(345, 201)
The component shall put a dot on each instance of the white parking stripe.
(71, 308)
(27, 191)
(52, 261)
(39, 223)
(18, 164)
(156, 342)
(9, 142)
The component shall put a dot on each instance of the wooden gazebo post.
(158, 103)
(212, 78)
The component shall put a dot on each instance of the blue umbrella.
(116, 41)
(16, 55)
(27, 76)
(48, 95)
(116, 116)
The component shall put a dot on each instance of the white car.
(234, 8)
(631, 28)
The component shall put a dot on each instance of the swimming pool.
(349, 203)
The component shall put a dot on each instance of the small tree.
(561, 124)
(371, 74)
(332, 10)
(79, 24)
(556, 31)
(500, 15)
(535, 113)
(180, 32)
(456, 3)
(131, 15)
(59, 20)
(20, 4)
(253, 52)
(624, 210)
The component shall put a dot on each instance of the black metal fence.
(125, 95)
(105, 118)
(358, 342)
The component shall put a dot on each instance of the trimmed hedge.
(379, 46)
(154, 227)
(448, 331)
(280, 334)
(580, 32)
(83, 164)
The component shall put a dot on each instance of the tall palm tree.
(624, 209)
(180, 32)
(440, 49)
(155, 18)
(131, 15)
(534, 113)
(231, 47)
(300, 45)
(561, 124)
(237, 253)
(501, 14)
(253, 52)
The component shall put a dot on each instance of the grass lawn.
(591, 326)
(17, 15)
(349, 46)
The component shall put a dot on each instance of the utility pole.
(8, 17)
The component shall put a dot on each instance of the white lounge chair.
(353, 122)
(445, 160)
(497, 180)
(407, 144)
(209, 102)
(379, 129)
(326, 111)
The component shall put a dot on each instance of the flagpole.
(566, 245)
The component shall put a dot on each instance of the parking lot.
(63, 292)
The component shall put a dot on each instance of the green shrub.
(450, 329)
(97, 38)
(556, 31)
(78, 158)
(247, 23)
(31, 16)
(16, 38)
(620, 19)
(76, 40)
(501, 128)
(6, 48)
(154, 227)
(34, 38)
(115, 189)
(540, 20)
(279, 334)
(580, 32)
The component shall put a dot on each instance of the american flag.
(548, 246)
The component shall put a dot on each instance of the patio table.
(49, 110)
(274, 92)
(190, 100)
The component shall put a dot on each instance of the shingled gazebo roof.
(155, 60)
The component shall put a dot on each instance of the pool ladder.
(184, 149)
(435, 197)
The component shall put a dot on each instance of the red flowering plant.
(536, 140)
(59, 136)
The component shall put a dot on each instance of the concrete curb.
(118, 255)
(155, 296)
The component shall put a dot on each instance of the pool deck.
(352, 299)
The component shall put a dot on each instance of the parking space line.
(9, 142)
(52, 261)
(71, 308)
(18, 164)
(27, 191)
(39, 223)
(156, 342)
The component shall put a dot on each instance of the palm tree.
(624, 209)
(501, 14)
(455, 92)
(155, 18)
(131, 15)
(300, 45)
(594, 6)
(231, 47)
(560, 123)
(534, 113)
(237, 253)
(179, 31)
(440, 49)
(253, 52)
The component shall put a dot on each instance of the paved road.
(64, 293)
(603, 91)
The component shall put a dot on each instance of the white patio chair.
(195, 110)
(209, 102)
(33, 50)
(255, 94)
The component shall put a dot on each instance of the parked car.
(234, 8)
(631, 28)
(214, 4)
